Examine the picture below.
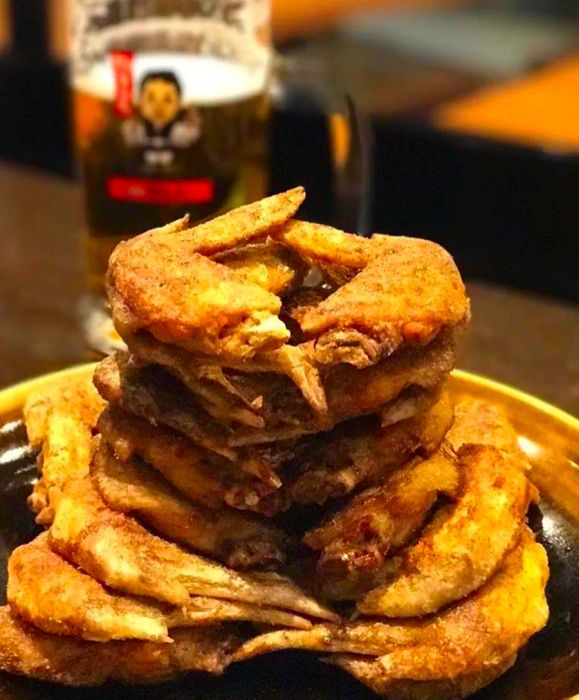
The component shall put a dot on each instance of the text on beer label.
(163, 192)
(122, 62)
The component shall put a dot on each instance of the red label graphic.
(146, 191)
(123, 71)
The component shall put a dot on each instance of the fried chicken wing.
(465, 543)
(363, 455)
(72, 396)
(467, 646)
(272, 266)
(373, 675)
(53, 595)
(208, 383)
(152, 394)
(118, 552)
(202, 611)
(191, 470)
(323, 244)
(27, 651)
(411, 369)
(482, 423)
(398, 387)
(489, 627)
(238, 540)
(210, 378)
(163, 282)
(59, 419)
(406, 291)
(357, 541)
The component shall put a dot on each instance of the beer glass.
(170, 111)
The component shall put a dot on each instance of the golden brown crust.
(163, 282)
(363, 453)
(60, 419)
(479, 422)
(27, 651)
(120, 553)
(405, 291)
(486, 629)
(75, 397)
(355, 544)
(53, 595)
(324, 244)
(372, 674)
(270, 265)
(408, 291)
(419, 367)
(210, 481)
(465, 543)
(237, 539)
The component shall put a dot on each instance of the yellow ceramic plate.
(547, 670)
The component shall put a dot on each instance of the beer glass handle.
(351, 138)
(352, 142)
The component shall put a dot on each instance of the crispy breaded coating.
(120, 553)
(57, 598)
(409, 290)
(27, 651)
(270, 265)
(60, 419)
(406, 291)
(372, 674)
(465, 543)
(237, 539)
(324, 244)
(187, 467)
(479, 422)
(355, 544)
(489, 627)
(201, 304)
(469, 645)
(375, 387)
(363, 453)
(164, 283)
(75, 397)
(53, 595)
(195, 473)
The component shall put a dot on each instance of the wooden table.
(526, 341)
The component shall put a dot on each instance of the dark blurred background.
(467, 115)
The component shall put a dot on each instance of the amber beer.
(170, 113)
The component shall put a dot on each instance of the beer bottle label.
(169, 105)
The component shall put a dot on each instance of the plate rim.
(12, 397)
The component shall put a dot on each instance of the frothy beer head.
(202, 81)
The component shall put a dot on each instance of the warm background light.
(58, 23)
(291, 18)
(4, 25)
